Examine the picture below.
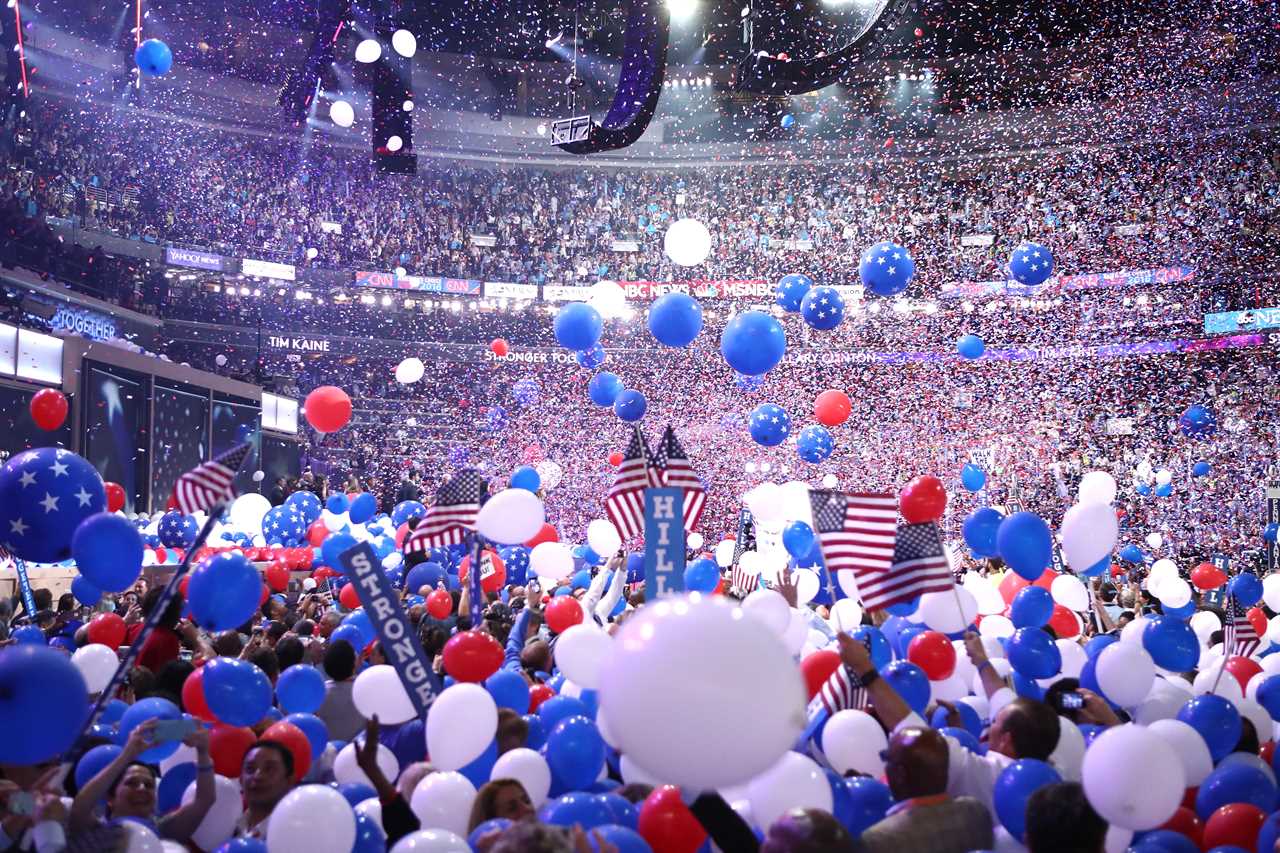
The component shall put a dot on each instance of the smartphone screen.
(171, 730)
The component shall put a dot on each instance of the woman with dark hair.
(129, 788)
(505, 798)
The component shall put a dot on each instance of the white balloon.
(342, 113)
(1271, 591)
(694, 540)
(1254, 713)
(1162, 571)
(512, 516)
(1073, 657)
(829, 481)
(724, 553)
(139, 838)
(411, 369)
(1175, 593)
(996, 626)
(1117, 839)
(807, 585)
(608, 298)
(97, 663)
(634, 774)
(247, 511)
(1088, 533)
(1163, 702)
(985, 593)
(1132, 633)
(1131, 780)
(950, 689)
(717, 656)
(846, 615)
(1154, 540)
(794, 781)
(379, 691)
(1164, 477)
(1186, 743)
(551, 560)
(311, 818)
(770, 608)
(220, 360)
(797, 632)
(603, 537)
(853, 740)
(1125, 673)
(848, 584)
(1068, 591)
(1097, 487)
(765, 502)
(1205, 623)
(948, 612)
(1068, 755)
(371, 808)
(581, 653)
(529, 769)
(687, 242)
(432, 841)
(183, 755)
(345, 768)
(443, 800)
(368, 51)
(220, 821)
(404, 43)
(1227, 686)
(796, 504)
(461, 725)
(259, 476)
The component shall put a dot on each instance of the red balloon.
(499, 347)
(277, 575)
(115, 496)
(328, 408)
(401, 532)
(227, 748)
(324, 573)
(472, 656)
(832, 407)
(667, 824)
(1235, 824)
(1257, 619)
(107, 629)
(493, 574)
(348, 597)
(1243, 669)
(923, 499)
(317, 533)
(48, 408)
(440, 603)
(615, 459)
(538, 694)
(193, 701)
(817, 668)
(1064, 622)
(1186, 822)
(292, 738)
(1208, 576)
(161, 554)
(546, 534)
(932, 652)
(563, 612)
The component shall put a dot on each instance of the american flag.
(452, 516)
(855, 531)
(671, 459)
(1238, 633)
(209, 483)
(839, 693)
(744, 580)
(625, 502)
(919, 566)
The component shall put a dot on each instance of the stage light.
(244, 291)
(682, 10)
(542, 129)
(368, 51)
(386, 302)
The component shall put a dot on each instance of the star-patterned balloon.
(177, 530)
(44, 495)
(284, 525)
(516, 559)
(791, 290)
(307, 505)
(822, 308)
(886, 269)
(405, 510)
(814, 444)
(1031, 264)
(769, 424)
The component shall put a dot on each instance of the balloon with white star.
(283, 525)
(814, 444)
(769, 424)
(791, 290)
(307, 504)
(44, 495)
(886, 268)
(177, 530)
(1031, 264)
(822, 308)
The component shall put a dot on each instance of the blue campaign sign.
(663, 542)
(395, 631)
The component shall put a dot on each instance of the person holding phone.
(129, 786)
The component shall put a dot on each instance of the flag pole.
(1226, 652)
(477, 591)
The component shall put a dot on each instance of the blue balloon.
(592, 357)
(537, 736)
(1031, 264)
(84, 591)
(910, 682)
(1268, 695)
(370, 837)
(558, 708)
(1270, 833)
(1197, 422)
(363, 508)
(701, 575)
(1217, 721)
(905, 634)
(355, 793)
(338, 503)
(878, 644)
(964, 737)
(624, 838)
(1164, 490)
(791, 290)
(307, 505)
(176, 529)
(604, 388)
(886, 268)
(509, 690)
(1014, 786)
(153, 57)
(814, 444)
(173, 784)
(1027, 688)
(970, 347)
(333, 546)
(29, 635)
(578, 807)
(93, 761)
(1245, 588)
(497, 824)
(822, 308)
(224, 591)
(972, 477)
(980, 529)
(1097, 568)
(236, 691)
(40, 529)
(1163, 841)
(1031, 607)
(361, 622)
(675, 319)
(1235, 783)
(113, 711)
(241, 845)
(624, 812)
(149, 709)
(1033, 654)
(1171, 643)
(788, 120)
(630, 406)
(1142, 489)
(769, 424)
(1200, 469)
(300, 689)
(424, 574)
(871, 801)
(525, 477)
(798, 539)
(1132, 554)
(1024, 542)
(970, 722)
(315, 729)
(516, 560)
(575, 751)
(582, 579)
(578, 326)
(1271, 532)
(753, 343)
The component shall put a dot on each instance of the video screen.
(235, 422)
(115, 430)
(179, 438)
(18, 432)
